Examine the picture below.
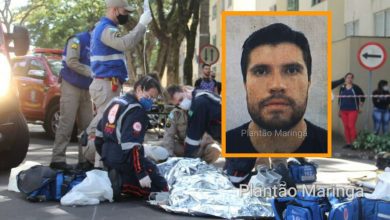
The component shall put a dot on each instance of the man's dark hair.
(148, 82)
(382, 83)
(205, 64)
(275, 34)
(172, 89)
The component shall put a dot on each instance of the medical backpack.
(300, 207)
(302, 171)
(361, 208)
(41, 183)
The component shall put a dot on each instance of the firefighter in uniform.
(204, 116)
(175, 134)
(108, 61)
(75, 101)
(119, 138)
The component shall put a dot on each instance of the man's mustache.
(278, 96)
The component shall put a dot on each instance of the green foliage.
(369, 141)
(51, 22)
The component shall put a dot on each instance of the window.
(56, 66)
(314, 2)
(292, 5)
(36, 69)
(36, 65)
(19, 66)
(214, 16)
(382, 23)
(352, 28)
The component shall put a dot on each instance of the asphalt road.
(14, 206)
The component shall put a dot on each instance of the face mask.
(386, 88)
(146, 103)
(185, 104)
(122, 19)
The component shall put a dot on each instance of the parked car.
(14, 135)
(37, 77)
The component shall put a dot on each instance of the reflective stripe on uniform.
(237, 179)
(98, 133)
(210, 95)
(192, 141)
(129, 145)
(116, 99)
(119, 121)
(383, 216)
(108, 57)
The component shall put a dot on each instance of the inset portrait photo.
(277, 84)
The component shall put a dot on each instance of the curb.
(357, 155)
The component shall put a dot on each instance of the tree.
(191, 37)
(51, 22)
(170, 26)
(7, 17)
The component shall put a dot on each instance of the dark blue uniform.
(203, 116)
(119, 137)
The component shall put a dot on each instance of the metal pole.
(367, 127)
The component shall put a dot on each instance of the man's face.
(122, 11)
(277, 86)
(206, 71)
(177, 98)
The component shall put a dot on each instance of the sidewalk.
(347, 153)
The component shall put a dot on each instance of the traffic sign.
(209, 54)
(372, 55)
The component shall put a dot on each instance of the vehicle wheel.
(51, 123)
(19, 142)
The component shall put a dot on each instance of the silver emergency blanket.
(197, 188)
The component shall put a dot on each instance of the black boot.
(84, 166)
(61, 166)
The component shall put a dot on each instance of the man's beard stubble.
(277, 123)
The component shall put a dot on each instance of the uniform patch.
(190, 113)
(137, 126)
(75, 46)
(112, 113)
(75, 43)
(109, 128)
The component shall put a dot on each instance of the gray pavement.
(13, 205)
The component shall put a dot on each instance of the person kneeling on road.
(203, 110)
(119, 138)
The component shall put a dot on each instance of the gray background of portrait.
(239, 28)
